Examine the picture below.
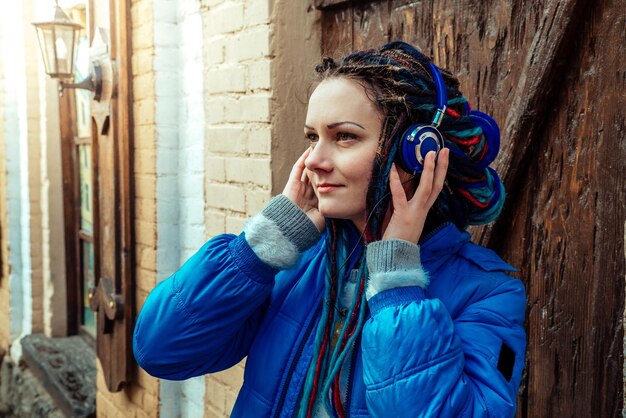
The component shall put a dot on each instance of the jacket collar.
(441, 243)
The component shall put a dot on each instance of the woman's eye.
(345, 136)
(312, 138)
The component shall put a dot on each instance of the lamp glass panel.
(64, 43)
(49, 37)
(44, 49)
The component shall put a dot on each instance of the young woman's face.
(343, 126)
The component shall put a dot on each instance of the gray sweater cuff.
(280, 233)
(292, 222)
(394, 263)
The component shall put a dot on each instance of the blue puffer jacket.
(453, 349)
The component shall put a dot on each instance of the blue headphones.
(419, 139)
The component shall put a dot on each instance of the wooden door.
(552, 74)
(112, 297)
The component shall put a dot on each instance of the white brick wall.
(15, 135)
(238, 134)
(180, 162)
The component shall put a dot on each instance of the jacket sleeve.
(469, 367)
(204, 317)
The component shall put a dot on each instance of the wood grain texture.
(71, 211)
(114, 284)
(552, 74)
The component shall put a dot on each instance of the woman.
(356, 291)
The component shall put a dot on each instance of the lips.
(327, 187)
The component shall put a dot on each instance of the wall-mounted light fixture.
(58, 40)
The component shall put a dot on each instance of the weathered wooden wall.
(553, 74)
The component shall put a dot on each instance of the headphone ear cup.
(492, 136)
(417, 141)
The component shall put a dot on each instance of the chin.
(332, 211)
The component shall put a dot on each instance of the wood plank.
(71, 210)
(571, 224)
(371, 22)
(337, 32)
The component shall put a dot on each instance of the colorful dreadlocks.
(398, 80)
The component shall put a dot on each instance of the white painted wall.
(14, 112)
(180, 163)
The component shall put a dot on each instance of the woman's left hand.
(408, 216)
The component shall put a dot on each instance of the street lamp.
(58, 41)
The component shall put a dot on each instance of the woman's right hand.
(300, 191)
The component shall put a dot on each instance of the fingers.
(440, 175)
(432, 179)
(293, 188)
(426, 181)
(398, 196)
(298, 168)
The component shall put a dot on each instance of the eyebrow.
(334, 125)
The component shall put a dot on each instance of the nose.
(320, 157)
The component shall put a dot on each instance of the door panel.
(552, 75)
(112, 297)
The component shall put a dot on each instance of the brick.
(192, 238)
(142, 63)
(165, 12)
(225, 79)
(143, 36)
(146, 255)
(144, 112)
(256, 201)
(192, 185)
(145, 161)
(259, 75)
(215, 223)
(249, 170)
(214, 51)
(141, 11)
(166, 108)
(250, 44)
(211, 412)
(226, 18)
(253, 108)
(168, 82)
(216, 395)
(225, 197)
(150, 404)
(234, 224)
(216, 108)
(232, 378)
(259, 140)
(257, 12)
(145, 186)
(192, 211)
(145, 232)
(226, 139)
(166, 59)
(145, 137)
(148, 383)
(166, 162)
(140, 296)
(231, 397)
(145, 209)
(215, 169)
(143, 84)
